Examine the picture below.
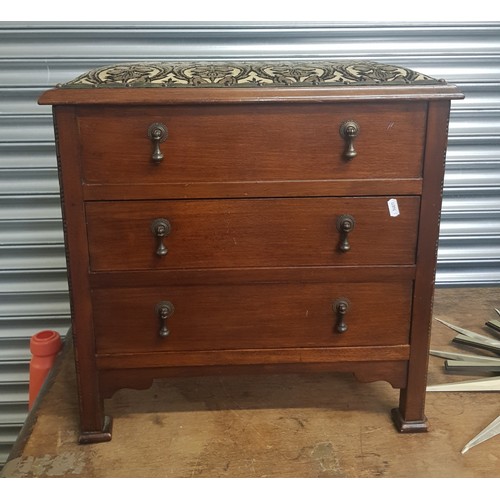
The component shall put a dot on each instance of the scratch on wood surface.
(251, 463)
(239, 413)
(324, 454)
(196, 466)
(361, 453)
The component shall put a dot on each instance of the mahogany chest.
(227, 217)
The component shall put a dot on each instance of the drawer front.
(251, 233)
(251, 316)
(245, 143)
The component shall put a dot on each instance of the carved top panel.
(213, 74)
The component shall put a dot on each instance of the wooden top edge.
(145, 96)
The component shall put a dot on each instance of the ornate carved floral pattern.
(248, 74)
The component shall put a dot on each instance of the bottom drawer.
(253, 316)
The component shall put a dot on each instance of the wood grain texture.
(252, 182)
(412, 401)
(138, 371)
(254, 316)
(251, 142)
(248, 233)
(155, 97)
(393, 371)
(75, 235)
(232, 276)
(253, 189)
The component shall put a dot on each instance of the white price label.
(393, 207)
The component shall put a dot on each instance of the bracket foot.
(98, 436)
(408, 426)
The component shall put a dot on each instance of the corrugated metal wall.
(33, 57)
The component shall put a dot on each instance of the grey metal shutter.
(35, 56)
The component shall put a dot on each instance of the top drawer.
(235, 143)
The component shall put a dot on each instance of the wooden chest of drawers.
(250, 217)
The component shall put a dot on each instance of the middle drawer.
(285, 232)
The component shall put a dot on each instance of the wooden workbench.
(324, 425)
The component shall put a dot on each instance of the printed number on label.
(393, 207)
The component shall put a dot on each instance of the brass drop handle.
(164, 310)
(158, 133)
(161, 228)
(345, 224)
(340, 307)
(349, 130)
